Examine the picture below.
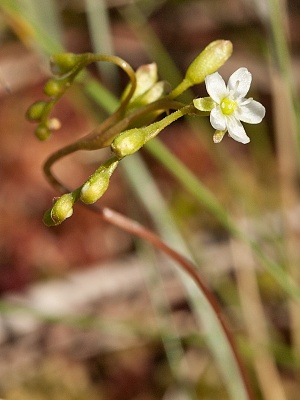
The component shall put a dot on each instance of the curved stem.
(137, 229)
(123, 65)
(102, 136)
(117, 115)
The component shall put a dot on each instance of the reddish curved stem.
(139, 230)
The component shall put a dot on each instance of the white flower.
(228, 105)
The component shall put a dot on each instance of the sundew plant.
(146, 98)
(232, 322)
(131, 126)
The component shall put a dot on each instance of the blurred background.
(87, 311)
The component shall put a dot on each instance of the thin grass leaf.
(99, 28)
(209, 201)
(46, 15)
(146, 189)
(30, 30)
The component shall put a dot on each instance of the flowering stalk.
(130, 141)
(132, 125)
(144, 99)
(102, 136)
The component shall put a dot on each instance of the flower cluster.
(138, 119)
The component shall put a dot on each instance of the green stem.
(182, 87)
(102, 136)
(90, 58)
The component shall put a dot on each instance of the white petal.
(236, 130)
(251, 112)
(216, 87)
(218, 119)
(240, 82)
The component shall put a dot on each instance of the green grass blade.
(99, 28)
(209, 201)
(32, 30)
(147, 192)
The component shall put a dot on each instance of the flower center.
(228, 106)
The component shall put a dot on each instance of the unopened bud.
(158, 90)
(55, 87)
(36, 110)
(146, 76)
(63, 63)
(92, 191)
(209, 61)
(63, 208)
(98, 183)
(42, 132)
(128, 142)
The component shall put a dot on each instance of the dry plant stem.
(286, 132)
(287, 137)
(252, 308)
(137, 229)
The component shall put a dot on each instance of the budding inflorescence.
(143, 101)
(65, 68)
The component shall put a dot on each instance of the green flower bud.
(92, 191)
(209, 61)
(36, 110)
(128, 142)
(54, 87)
(98, 183)
(42, 132)
(63, 208)
(61, 64)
